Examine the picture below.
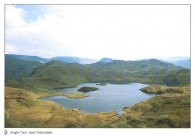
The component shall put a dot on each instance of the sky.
(127, 32)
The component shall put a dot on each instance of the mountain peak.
(55, 62)
(106, 60)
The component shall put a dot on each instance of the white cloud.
(123, 32)
(14, 16)
(9, 49)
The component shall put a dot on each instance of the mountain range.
(178, 61)
(183, 63)
(31, 72)
(45, 60)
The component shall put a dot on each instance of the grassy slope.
(158, 89)
(168, 110)
(36, 113)
(165, 110)
(52, 75)
(148, 71)
(57, 74)
(16, 68)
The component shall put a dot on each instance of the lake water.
(111, 97)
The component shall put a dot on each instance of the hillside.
(181, 61)
(58, 74)
(106, 60)
(60, 58)
(165, 110)
(145, 71)
(18, 68)
(27, 81)
(23, 109)
(53, 74)
(27, 58)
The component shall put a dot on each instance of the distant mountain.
(58, 74)
(61, 58)
(178, 61)
(25, 57)
(106, 60)
(171, 59)
(182, 63)
(75, 60)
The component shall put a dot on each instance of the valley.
(26, 81)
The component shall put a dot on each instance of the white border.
(94, 132)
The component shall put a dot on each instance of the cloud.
(14, 17)
(123, 32)
(10, 49)
(29, 38)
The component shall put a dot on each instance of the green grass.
(32, 112)
(158, 89)
(57, 74)
(16, 68)
(168, 110)
(69, 95)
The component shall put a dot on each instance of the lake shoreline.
(105, 96)
(71, 96)
(135, 116)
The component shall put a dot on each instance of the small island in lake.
(101, 84)
(87, 89)
(76, 95)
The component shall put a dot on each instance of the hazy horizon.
(96, 31)
(159, 58)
